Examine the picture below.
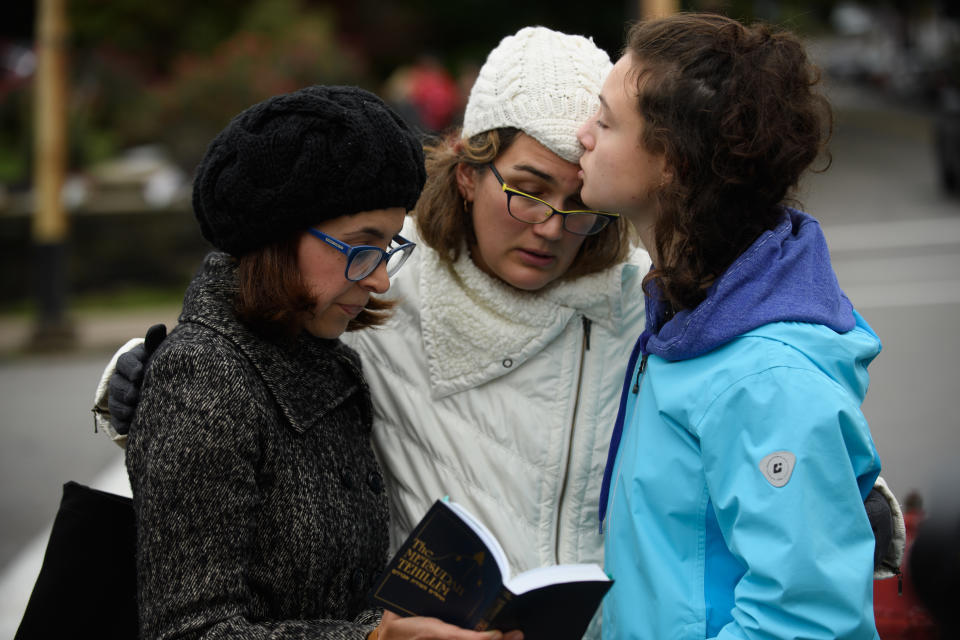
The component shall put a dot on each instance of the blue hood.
(785, 276)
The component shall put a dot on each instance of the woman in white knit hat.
(497, 380)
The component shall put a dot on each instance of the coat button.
(375, 482)
(507, 363)
(358, 580)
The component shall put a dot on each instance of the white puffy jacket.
(504, 400)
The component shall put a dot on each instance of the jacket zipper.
(610, 475)
(640, 370)
(616, 476)
(584, 347)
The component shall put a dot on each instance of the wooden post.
(657, 8)
(50, 229)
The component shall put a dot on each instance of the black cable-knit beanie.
(295, 160)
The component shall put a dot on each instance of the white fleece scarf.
(477, 328)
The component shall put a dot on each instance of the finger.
(130, 364)
(154, 337)
(389, 616)
(120, 410)
(122, 428)
(122, 391)
(434, 629)
(878, 510)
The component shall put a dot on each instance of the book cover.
(451, 567)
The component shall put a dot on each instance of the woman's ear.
(466, 181)
(666, 176)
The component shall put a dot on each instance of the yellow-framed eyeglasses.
(532, 210)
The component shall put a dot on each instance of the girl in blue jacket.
(740, 457)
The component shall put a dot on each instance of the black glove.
(124, 385)
(881, 521)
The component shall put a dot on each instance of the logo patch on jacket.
(777, 467)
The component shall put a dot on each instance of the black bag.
(87, 585)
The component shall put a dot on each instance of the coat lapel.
(308, 377)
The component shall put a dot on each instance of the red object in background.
(435, 94)
(901, 616)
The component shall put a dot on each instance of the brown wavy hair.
(272, 297)
(735, 111)
(445, 224)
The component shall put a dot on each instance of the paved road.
(45, 438)
(895, 240)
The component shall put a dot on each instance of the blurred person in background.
(934, 563)
(740, 459)
(259, 503)
(425, 94)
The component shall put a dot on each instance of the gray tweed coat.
(260, 507)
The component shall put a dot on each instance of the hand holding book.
(395, 627)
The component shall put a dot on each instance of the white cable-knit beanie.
(540, 81)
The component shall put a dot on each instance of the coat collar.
(307, 376)
(472, 323)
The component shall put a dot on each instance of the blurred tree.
(175, 73)
(154, 33)
(279, 46)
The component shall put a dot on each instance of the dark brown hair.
(446, 226)
(734, 110)
(273, 299)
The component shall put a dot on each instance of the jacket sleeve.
(192, 457)
(788, 459)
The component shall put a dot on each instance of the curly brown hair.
(734, 110)
(272, 297)
(445, 225)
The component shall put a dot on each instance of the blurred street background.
(144, 87)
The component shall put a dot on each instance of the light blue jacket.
(740, 459)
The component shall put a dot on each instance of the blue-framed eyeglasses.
(532, 210)
(363, 259)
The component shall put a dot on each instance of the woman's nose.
(584, 134)
(551, 228)
(378, 281)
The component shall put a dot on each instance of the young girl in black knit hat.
(260, 507)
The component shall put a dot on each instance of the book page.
(485, 535)
(555, 574)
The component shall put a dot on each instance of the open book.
(452, 567)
